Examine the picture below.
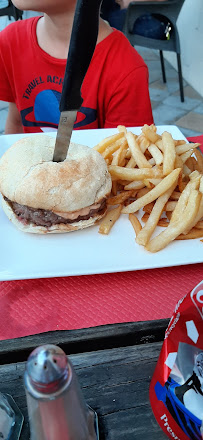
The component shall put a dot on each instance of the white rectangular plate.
(85, 252)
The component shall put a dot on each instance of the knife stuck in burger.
(82, 44)
(43, 196)
(57, 186)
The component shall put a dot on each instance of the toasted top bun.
(29, 177)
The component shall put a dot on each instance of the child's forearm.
(12, 128)
(124, 3)
(13, 122)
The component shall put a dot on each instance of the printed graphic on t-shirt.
(45, 111)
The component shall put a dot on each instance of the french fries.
(134, 173)
(169, 153)
(135, 223)
(109, 220)
(150, 133)
(147, 231)
(156, 154)
(152, 195)
(118, 144)
(194, 233)
(158, 175)
(136, 152)
(199, 161)
(120, 198)
(101, 146)
(177, 227)
(183, 200)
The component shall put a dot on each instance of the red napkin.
(198, 139)
(34, 306)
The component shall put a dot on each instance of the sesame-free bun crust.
(29, 177)
(55, 229)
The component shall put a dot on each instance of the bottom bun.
(55, 229)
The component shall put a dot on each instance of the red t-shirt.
(114, 91)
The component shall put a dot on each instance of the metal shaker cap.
(47, 369)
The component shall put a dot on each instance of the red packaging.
(176, 389)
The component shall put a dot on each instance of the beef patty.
(41, 217)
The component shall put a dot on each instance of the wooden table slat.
(84, 340)
(115, 379)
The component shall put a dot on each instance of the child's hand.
(123, 3)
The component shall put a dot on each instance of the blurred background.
(165, 97)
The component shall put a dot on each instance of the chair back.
(8, 9)
(169, 9)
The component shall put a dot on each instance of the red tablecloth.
(34, 306)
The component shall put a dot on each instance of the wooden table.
(114, 364)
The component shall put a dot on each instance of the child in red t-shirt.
(32, 64)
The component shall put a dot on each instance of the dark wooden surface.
(114, 365)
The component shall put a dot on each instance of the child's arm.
(13, 122)
(125, 3)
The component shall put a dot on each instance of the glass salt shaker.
(56, 406)
(11, 418)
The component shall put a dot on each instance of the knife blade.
(82, 44)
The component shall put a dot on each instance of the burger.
(42, 196)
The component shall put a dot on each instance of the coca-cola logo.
(197, 298)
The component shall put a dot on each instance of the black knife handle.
(82, 44)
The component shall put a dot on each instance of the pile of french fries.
(158, 176)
